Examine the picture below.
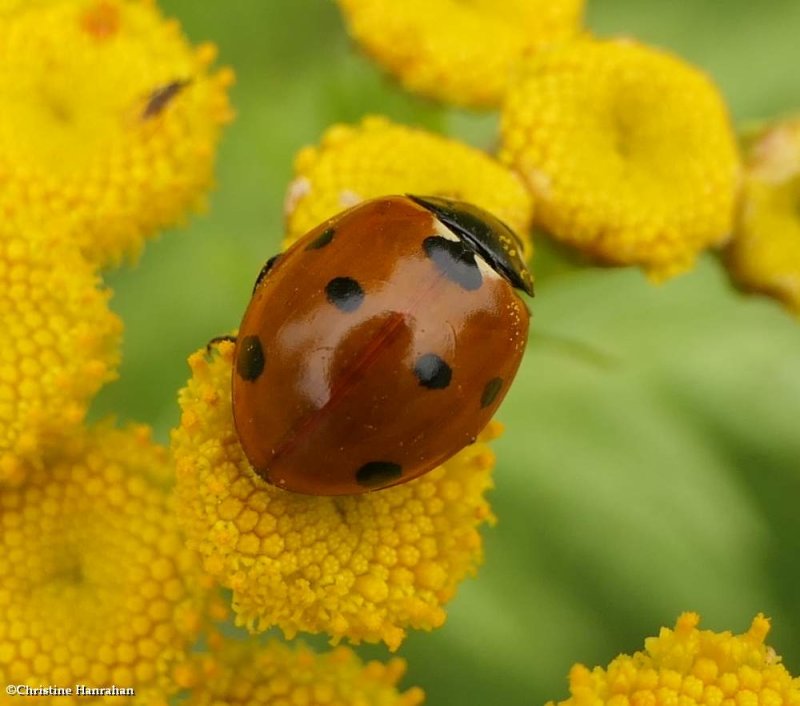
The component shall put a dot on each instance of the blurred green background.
(650, 462)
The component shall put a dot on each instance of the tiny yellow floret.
(764, 254)
(377, 157)
(628, 150)
(110, 121)
(98, 586)
(687, 666)
(248, 674)
(363, 567)
(59, 342)
(460, 52)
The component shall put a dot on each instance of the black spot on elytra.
(490, 391)
(250, 358)
(344, 293)
(322, 240)
(377, 474)
(265, 270)
(432, 372)
(455, 260)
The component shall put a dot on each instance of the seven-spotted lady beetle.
(379, 345)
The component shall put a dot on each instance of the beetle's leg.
(218, 339)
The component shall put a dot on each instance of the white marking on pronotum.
(484, 267)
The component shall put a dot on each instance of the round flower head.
(764, 255)
(628, 151)
(377, 157)
(459, 52)
(98, 587)
(110, 120)
(10, 7)
(247, 674)
(59, 343)
(691, 666)
(363, 567)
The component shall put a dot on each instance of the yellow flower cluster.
(9, 7)
(764, 255)
(110, 121)
(58, 344)
(273, 674)
(98, 586)
(378, 157)
(363, 567)
(460, 52)
(628, 151)
(690, 666)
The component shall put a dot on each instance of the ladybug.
(379, 345)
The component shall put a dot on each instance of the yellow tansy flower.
(8, 7)
(98, 587)
(377, 157)
(363, 567)
(764, 255)
(456, 51)
(59, 343)
(253, 675)
(690, 666)
(628, 150)
(110, 120)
